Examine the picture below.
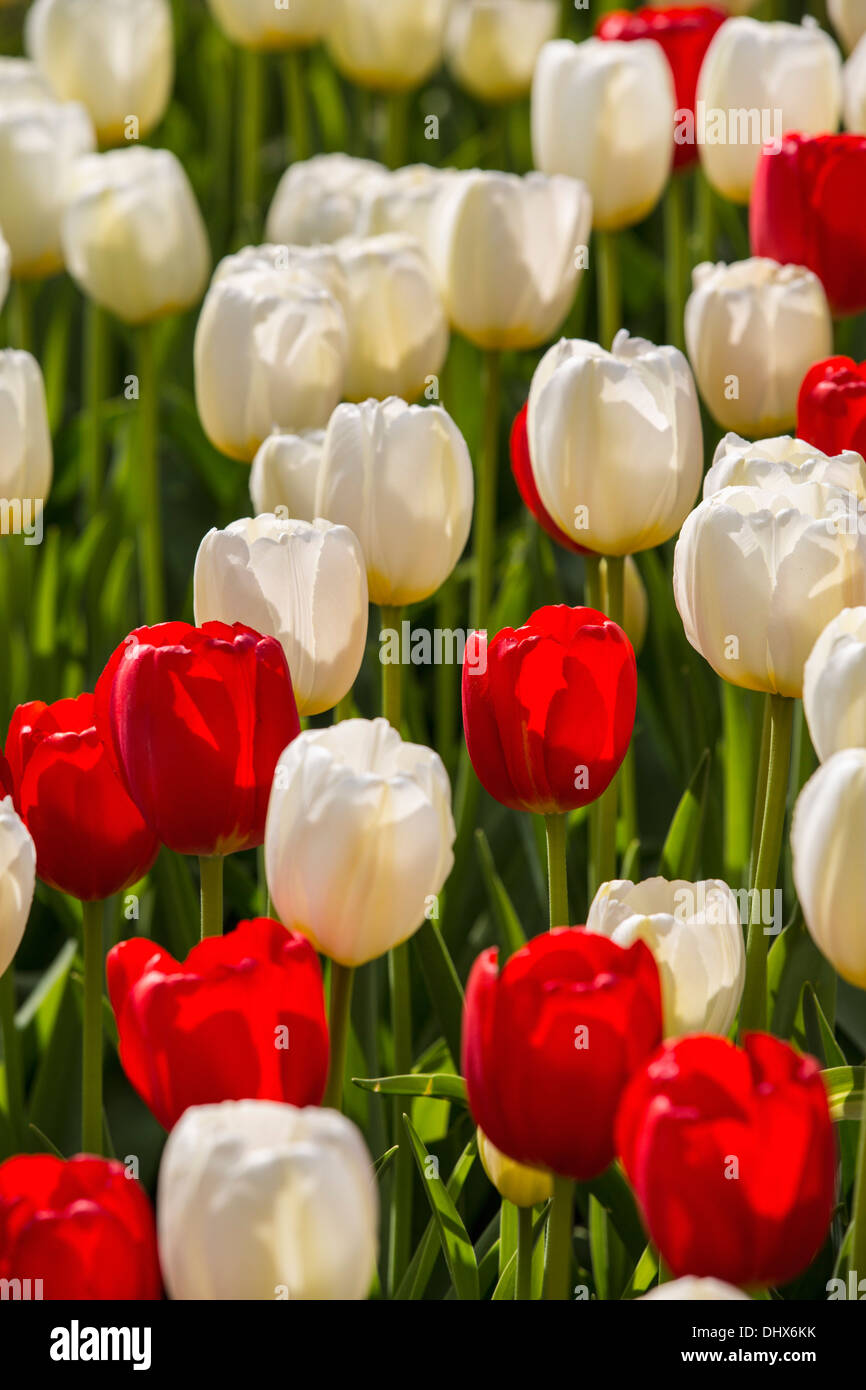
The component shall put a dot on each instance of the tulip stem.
(150, 546)
(211, 874)
(396, 129)
(753, 1012)
(392, 671)
(91, 1075)
(676, 259)
(485, 500)
(609, 291)
(609, 800)
(12, 1057)
(95, 363)
(342, 980)
(857, 1256)
(250, 128)
(556, 826)
(706, 218)
(738, 738)
(523, 1286)
(297, 115)
(21, 315)
(560, 1227)
(593, 593)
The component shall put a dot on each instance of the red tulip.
(90, 839)
(196, 719)
(549, 713)
(7, 786)
(732, 1157)
(81, 1225)
(809, 208)
(550, 1042)
(684, 36)
(243, 1018)
(831, 408)
(521, 467)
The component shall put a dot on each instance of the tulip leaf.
(845, 1091)
(443, 983)
(384, 1161)
(417, 1276)
(506, 1287)
(47, 1144)
(614, 1194)
(819, 1034)
(794, 959)
(645, 1272)
(435, 1085)
(607, 1251)
(511, 933)
(680, 850)
(456, 1245)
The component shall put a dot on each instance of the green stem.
(857, 1256)
(12, 1057)
(95, 391)
(676, 259)
(446, 674)
(344, 709)
(737, 727)
(484, 541)
(593, 585)
(523, 1286)
(396, 129)
(753, 1012)
(91, 1076)
(392, 671)
(608, 802)
(760, 790)
(706, 216)
(560, 1226)
(297, 113)
(150, 544)
(21, 315)
(556, 826)
(211, 874)
(609, 290)
(251, 125)
(342, 980)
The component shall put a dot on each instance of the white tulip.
(5, 269)
(133, 236)
(828, 832)
(391, 47)
(267, 24)
(39, 143)
(321, 262)
(398, 332)
(319, 199)
(755, 72)
(271, 352)
(506, 254)
(405, 202)
(848, 18)
(114, 56)
(303, 583)
(258, 1200)
(400, 477)
(758, 574)
(359, 838)
(692, 1290)
(604, 113)
(285, 474)
(22, 82)
(834, 685)
(854, 89)
(783, 462)
(615, 439)
(17, 881)
(26, 461)
(753, 329)
(492, 45)
(694, 933)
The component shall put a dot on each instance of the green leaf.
(845, 1091)
(614, 1194)
(511, 934)
(437, 1085)
(680, 850)
(794, 959)
(421, 1265)
(645, 1272)
(819, 1035)
(443, 983)
(456, 1245)
(608, 1252)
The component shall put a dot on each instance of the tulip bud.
(359, 838)
(22, 82)
(114, 56)
(827, 837)
(507, 254)
(392, 47)
(692, 1290)
(319, 199)
(268, 24)
(285, 474)
(834, 685)
(848, 18)
(752, 330)
(615, 439)
(759, 573)
(779, 77)
(400, 477)
(398, 333)
(26, 459)
(492, 45)
(39, 143)
(780, 463)
(17, 880)
(694, 933)
(516, 1182)
(259, 1200)
(303, 584)
(116, 201)
(603, 112)
(271, 351)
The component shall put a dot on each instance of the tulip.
(285, 474)
(781, 463)
(21, 82)
(683, 33)
(752, 329)
(400, 477)
(691, 1290)
(398, 333)
(515, 1182)
(848, 18)
(805, 209)
(39, 142)
(319, 199)
(304, 584)
(392, 47)
(271, 351)
(322, 263)
(359, 836)
(77, 1228)
(17, 880)
(826, 835)
(834, 689)
(615, 439)
(257, 992)
(831, 410)
(195, 719)
(620, 98)
(492, 45)
(405, 201)
(788, 72)
(732, 1157)
(263, 24)
(262, 1201)
(26, 461)
(114, 56)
